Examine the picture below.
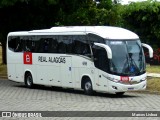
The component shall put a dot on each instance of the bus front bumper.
(119, 87)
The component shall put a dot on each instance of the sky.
(127, 1)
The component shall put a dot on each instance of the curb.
(157, 75)
(4, 77)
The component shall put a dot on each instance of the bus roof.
(106, 32)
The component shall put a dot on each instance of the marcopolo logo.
(27, 58)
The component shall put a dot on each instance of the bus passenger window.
(77, 47)
(12, 43)
(18, 45)
(61, 48)
(46, 46)
(27, 46)
(86, 50)
(32, 46)
(82, 48)
(53, 46)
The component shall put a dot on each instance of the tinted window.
(100, 58)
(21, 44)
(15, 44)
(81, 46)
(12, 43)
(53, 45)
(76, 44)
(68, 41)
(46, 44)
(61, 45)
(95, 38)
(28, 44)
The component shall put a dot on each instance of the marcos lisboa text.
(147, 114)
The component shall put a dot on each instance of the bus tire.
(120, 93)
(88, 90)
(29, 80)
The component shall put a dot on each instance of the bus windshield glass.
(127, 57)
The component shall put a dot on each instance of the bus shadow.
(76, 92)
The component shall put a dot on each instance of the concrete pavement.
(16, 97)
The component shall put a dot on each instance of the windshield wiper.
(132, 64)
(126, 66)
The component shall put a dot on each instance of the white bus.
(90, 58)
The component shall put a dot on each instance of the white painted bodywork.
(70, 74)
(103, 31)
(149, 48)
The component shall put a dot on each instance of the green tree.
(17, 15)
(144, 19)
(106, 4)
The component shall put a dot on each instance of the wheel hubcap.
(29, 80)
(87, 86)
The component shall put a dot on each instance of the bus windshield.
(127, 57)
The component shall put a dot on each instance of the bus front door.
(101, 64)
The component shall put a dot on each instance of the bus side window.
(61, 47)
(19, 45)
(82, 48)
(40, 45)
(12, 43)
(27, 47)
(53, 45)
(32, 46)
(65, 44)
(86, 50)
(77, 47)
(27, 44)
(69, 46)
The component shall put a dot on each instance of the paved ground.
(16, 97)
(153, 75)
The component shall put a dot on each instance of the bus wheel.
(88, 87)
(120, 93)
(28, 80)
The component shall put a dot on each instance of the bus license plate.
(124, 79)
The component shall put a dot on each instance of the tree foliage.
(144, 19)
(140, 17)
(18, 15)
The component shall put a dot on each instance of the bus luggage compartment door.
(66, 72)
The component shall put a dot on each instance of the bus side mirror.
(107, 48)
(149, 48)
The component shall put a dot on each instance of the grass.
(0, 55)
(153, 68)
(3, 68)
(153, 85)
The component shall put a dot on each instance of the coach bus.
(89, 58)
